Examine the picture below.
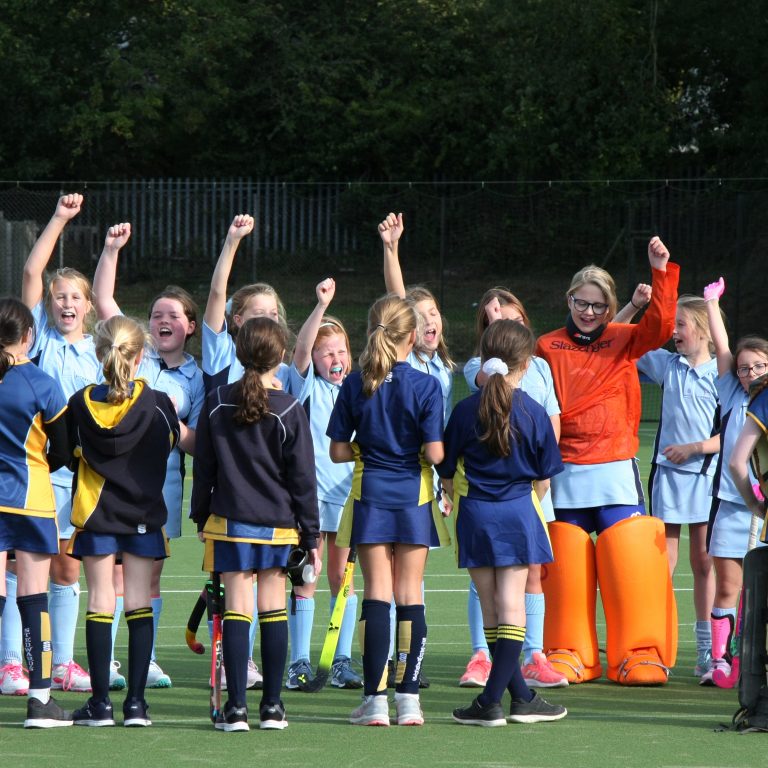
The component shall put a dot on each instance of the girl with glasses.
(593, 366)
(729, 517)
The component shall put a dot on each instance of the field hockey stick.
(193, 623)
(216, 596)
(332, 635)
(719, 678)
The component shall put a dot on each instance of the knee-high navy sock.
(411, 642)
(506, 656)
(234, 644)
(140, 631)
(374, 641)
(491, 633)
(36, 638)
(273, 630)
(98, 642)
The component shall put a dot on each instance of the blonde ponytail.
(118, 341)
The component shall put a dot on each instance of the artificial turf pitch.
(607, 724)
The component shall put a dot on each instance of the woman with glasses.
(593, 366)
(729, 517)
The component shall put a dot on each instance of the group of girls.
(372, 459)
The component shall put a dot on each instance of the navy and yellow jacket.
(120, 453)
(32, 408)
(260, 474)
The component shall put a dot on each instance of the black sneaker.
(136, 713)
(232, 718)
(96, 713)
(272, 717)
(48, 715)
(537, 710)
(489, 716)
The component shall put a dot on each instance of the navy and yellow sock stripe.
(101, 618)
(138, 613)
(235, 616)
(270, 617)
(511, 632)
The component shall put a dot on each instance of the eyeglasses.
(598, 307)
(758, 368)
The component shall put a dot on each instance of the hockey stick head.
(193, 625)
(317, 683)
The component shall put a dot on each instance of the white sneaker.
(13, 681)
(70, 677)
(156, 678)
(373, 711)
(706, 678)
(116, 680)
(255, 681)
(408, 709)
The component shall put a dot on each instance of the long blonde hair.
(390, 321)
(118, 341)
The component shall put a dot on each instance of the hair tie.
(115, 345)
(495, 365)
(329, 324)
(383, 327)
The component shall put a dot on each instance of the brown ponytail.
(15, 322)
(512, 343)
(260, 347)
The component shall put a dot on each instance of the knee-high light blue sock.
(254, 627)
(475, 620)
(534, 625)
(116, 621)
(392, 625)
(10, 628)
(348, 626)
(703, 631)
(300, 627)
(157, 609)
(63, 607)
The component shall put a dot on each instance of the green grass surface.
(607, 725)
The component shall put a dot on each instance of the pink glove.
(714, 290)
(758, 493)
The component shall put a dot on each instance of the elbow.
(434, 453)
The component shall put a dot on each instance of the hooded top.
(120, 453)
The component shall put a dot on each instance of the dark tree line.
(381, 90)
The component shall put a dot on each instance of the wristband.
(635, 305)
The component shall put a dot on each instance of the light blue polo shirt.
(318, 397)
(536, 383)
(689, 406)
(435, 366)
(220, 363)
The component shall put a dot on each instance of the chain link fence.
(460, 239)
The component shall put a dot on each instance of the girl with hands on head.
(730, 516)
(321, 361)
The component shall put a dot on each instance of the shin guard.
(570, 588)
(638, 600)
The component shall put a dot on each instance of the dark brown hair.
(260, 347)
(513, 343)
(15, 321)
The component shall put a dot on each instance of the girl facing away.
(168, 367)
(33, 442)
(254, 497)
(388, 419)
(730, 516)
(686, 443)
(121, 433)
(501, 451)
(321, 361)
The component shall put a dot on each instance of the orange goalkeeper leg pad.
(570, 589)
(639, 603)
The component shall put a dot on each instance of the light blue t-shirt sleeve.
(300, 386)
(198, 398)
(218, 349)
(654, 364)
(471, 369)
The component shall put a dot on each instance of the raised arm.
(641, 298)
(302, 354)
(67, 208)
(106, 271)
(390, 231)
(712, 294)
(215, 309)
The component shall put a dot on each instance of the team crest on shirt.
(388, 378)
(141, 528)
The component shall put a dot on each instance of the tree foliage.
(386, 89)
